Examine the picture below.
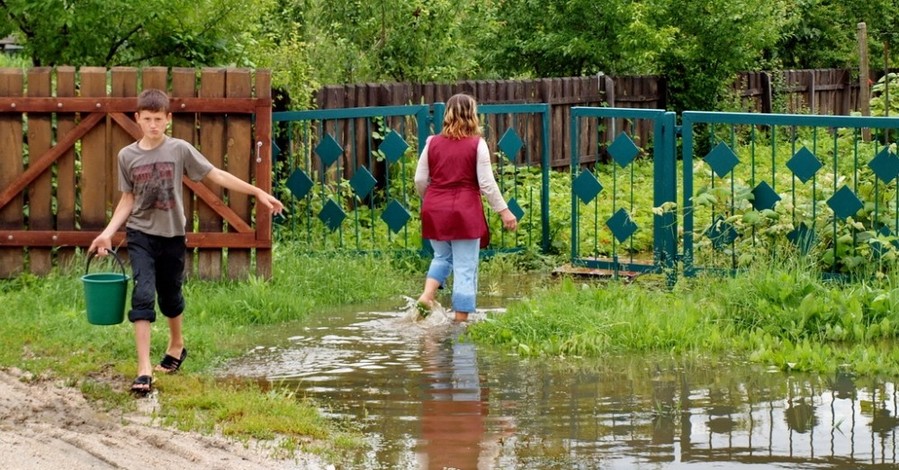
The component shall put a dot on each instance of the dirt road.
(44, 424)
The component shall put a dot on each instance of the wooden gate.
(60, 132)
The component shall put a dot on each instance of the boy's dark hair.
(154, 100)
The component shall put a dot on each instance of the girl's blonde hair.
(461, 117)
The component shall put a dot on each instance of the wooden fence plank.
(154, 77)
(65, 165)
(239, 140)
(12, 82)
(40, 192)
(184, 127)
(95, 159)
(263, 175)
(124, 84)
(212, 145)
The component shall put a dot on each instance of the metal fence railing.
(349, 173)
(766, 186)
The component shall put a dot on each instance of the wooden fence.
(828, 91)
(60, 132)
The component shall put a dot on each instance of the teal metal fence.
(619, 222)
(349, 174)
(747, 187)
(821, 189)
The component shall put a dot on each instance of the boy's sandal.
(170, 364)
(142, 384)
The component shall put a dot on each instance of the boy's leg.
(142, 342)
(441, 265)
(176, 340)
(143, 296)
(169, 280)
(465, 276)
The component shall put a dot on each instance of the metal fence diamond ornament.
(844, 203)
(885, 165)
(586, 186)
(328, 150)
(393, 146)
(721, 233)
(510, 144)
(722, 159)
(362, 182)
(275, 150)
(804, 164)
(623, 150)
(299, 183)
(332, 215)
(621, 225)
(803, 237)
(395, 216)
(516, 209)
(881, 248)
(764, 197)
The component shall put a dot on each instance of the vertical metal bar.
(356, 202)
(573, 136)
(544, 174)
(687, 136)
(733, 196)
(665, 190)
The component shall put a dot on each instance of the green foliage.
(715, 40)
(566, 38)
(697, 46)
(885, 96)
(823, 33)
(121, 32)
(389, 40)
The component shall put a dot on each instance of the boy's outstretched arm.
(103, 242)
(229, 181)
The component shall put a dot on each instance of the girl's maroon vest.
(452, 208)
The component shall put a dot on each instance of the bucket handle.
(114, 255)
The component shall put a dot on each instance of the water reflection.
(427, 399)
(454, 403)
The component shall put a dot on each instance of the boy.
(151, 207)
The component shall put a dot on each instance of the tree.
(124, 32)
(715, 40)
(398, 40)
(822, 33)
(551, 38)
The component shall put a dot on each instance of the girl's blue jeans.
(459, 257)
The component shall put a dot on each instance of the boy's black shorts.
(158, 267)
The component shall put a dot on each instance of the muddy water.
(425, 398)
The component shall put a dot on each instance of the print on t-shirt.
(154, 186)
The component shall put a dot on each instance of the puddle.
(426, 399)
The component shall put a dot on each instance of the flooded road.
(425, 398)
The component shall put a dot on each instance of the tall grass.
(785, 317)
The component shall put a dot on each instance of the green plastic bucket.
(105, 293)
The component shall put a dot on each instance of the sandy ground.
(48, 425)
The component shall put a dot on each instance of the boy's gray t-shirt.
(155, 177)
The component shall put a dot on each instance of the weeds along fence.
(819, 91)
(61, 129)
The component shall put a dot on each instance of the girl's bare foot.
(424, 307)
